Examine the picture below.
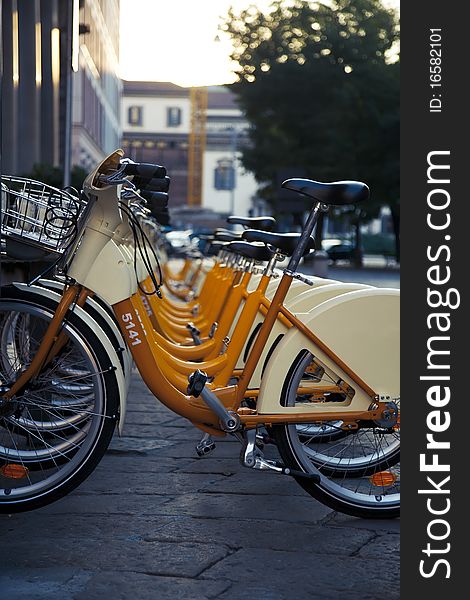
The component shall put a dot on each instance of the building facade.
(97, 87)
(155, 120)
(60, 88)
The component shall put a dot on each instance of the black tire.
(359, 491)
(78, 456)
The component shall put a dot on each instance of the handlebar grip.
(157, 184)
(161, 211)
(162, 216)
(144, 170)
(156, 200)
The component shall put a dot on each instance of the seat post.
(304, 238)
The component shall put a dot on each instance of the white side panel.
(362, 329)
(303, 303)
(111, 276)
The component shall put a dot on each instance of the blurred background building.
(63, 105)
(156, 122)
(61, 89)
(97, 87)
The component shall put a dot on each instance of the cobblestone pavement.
(155, 522)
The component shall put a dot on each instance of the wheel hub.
(389, 416)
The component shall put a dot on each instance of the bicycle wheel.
(359, 472)
(58, 429)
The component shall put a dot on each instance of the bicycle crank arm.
(229, 420)
(262, 464)
(252, 457)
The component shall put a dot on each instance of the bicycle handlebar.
(144, 170)
(156, 199)
(156, 184)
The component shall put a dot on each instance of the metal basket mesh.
(39, 214)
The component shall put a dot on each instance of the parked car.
(342, 251)
(180, 242)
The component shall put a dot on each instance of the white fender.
(103, 338)
(126, 355)
(302, 303)
(295, 290)
(362, 329)
(296, 287)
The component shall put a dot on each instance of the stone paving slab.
(185, 559)
(156, 522)
(266, 534)
(73, 584)
(305, 575)
(122, 586)
(236, 506)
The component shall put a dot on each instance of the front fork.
(53, 341)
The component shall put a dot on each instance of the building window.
(134, 115)
(224, 175)
(173, 116)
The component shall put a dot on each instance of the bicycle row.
(229, 341)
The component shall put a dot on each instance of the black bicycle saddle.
(285, 242)
(224, 235)
(337, 193)
(265, 223)
(255, 251)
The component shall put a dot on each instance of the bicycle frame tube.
(255, 300)
(62, 338)
(262, 337)
(136, 328)
(50, 338)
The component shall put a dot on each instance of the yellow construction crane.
(197, 144)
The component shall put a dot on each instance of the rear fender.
(361, 328)
(302, 303)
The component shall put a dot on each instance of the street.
(154, 521)
(375, 272)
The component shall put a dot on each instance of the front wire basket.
(39, 215)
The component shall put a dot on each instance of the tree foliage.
(53, 176)
(320, 94)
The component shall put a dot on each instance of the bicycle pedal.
(192, 328)
(229, 420)
(196, 383)
(205, 446)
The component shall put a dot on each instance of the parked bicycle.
(317, 367)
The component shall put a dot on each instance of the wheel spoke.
(61, 415)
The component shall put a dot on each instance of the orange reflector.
(383, 479)
(14, 471)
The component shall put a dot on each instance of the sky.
(175, 40)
